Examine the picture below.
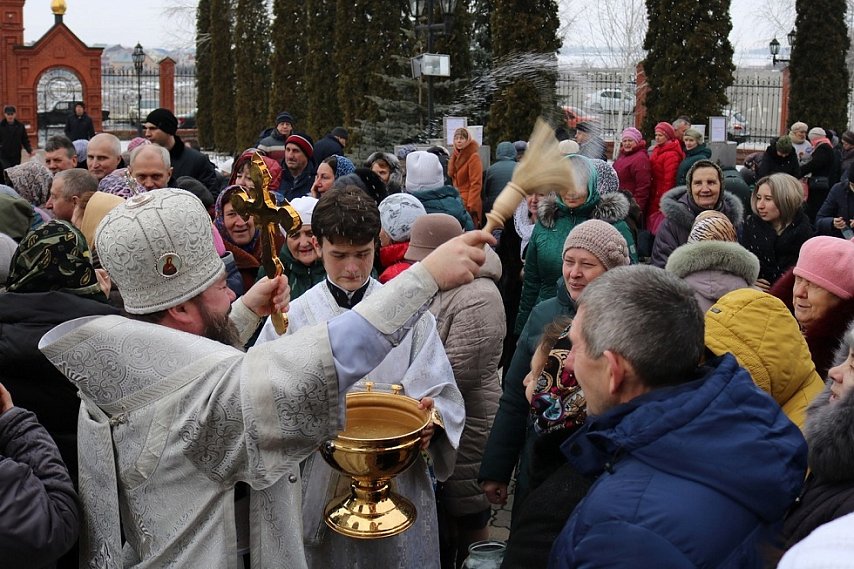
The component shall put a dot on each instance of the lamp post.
(774, 48)
(419, 7)
(138, 58)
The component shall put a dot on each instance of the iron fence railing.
(605, 97)
(121, 93)
(185, 96)
(755, 104)
(753, 113)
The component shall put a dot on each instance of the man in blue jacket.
(695, 464)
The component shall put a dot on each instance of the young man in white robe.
(346, 225)
(172, 417)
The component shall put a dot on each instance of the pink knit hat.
(632, 133)
(829, 263)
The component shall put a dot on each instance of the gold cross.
(268, 216)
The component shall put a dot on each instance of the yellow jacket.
(762, 334)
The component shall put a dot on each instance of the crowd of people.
(656, 359)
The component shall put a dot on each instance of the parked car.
(187, 120)
(611, 101)
(60, 113)
(574, 115)
(738, 129)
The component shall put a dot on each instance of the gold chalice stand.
(382, 439)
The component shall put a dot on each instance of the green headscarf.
(54, 257)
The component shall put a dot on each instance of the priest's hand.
(430, 430)
(457, 262)
(268, 295)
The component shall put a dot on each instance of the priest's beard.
(219, 327)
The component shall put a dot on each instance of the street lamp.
(419, 7)
(138, 58)
(774, 47)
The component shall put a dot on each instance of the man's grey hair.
(648, 316)
(112, 139)
(164, 154)
(77, 182)
(59, 142)
(681, 121)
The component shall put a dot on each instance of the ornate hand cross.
(268, 216)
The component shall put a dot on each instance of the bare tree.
(778, 15)
(181, 15)
(568, 12)
(621, 26)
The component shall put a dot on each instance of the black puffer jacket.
(190, 162)
(31, 379)
(772, 163)
(776, 253)
(538, 521)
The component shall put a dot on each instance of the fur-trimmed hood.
(716, 256)
(611, 207)
(678, 209)
(829, 432)
(396, 177)
(830, 428)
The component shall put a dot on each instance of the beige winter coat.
(470, 321)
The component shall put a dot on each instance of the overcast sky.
(170, 24)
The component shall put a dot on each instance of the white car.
(610, 101)
(738, 129)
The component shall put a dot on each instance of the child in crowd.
(398, 213)
(557, 402)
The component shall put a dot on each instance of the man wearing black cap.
(13, 137)
(160, 127)
(332, 143)
(274, 143)
(298, 167)
(590, 143)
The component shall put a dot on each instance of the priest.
(173, 417)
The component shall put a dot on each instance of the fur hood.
(676, 207)
(460, 157)
(396, 177)
(713, 255)
(841, 353)
(830, 429)
(611, 207)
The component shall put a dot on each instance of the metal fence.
(127, 96)
(755, 101)
(757, 98)
(121, 91)
(598, 96)
(185, 95)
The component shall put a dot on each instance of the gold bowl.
(382, 439)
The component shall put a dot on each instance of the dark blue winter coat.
(689, 476)
(839, 203)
